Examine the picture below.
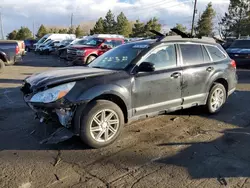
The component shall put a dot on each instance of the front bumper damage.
(54, 112)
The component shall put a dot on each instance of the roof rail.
(181, 36)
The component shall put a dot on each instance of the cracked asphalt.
(187, 148)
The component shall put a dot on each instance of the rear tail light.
(23, 45)
(17, 49)
(233, 63)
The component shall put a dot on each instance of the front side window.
(163, 57)
(191, 54)
(215, 53)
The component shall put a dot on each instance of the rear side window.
(116, 43)
(215, 53)
(191, 54)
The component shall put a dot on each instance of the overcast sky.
(18, 13)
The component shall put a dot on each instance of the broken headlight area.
(63, 115)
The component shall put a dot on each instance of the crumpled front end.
(60, 110)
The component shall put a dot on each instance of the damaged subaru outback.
(130, 82)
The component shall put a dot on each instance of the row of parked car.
(79, 51)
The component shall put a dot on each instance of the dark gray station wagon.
(130, 82)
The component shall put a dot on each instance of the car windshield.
(118, 58)
(80, 42)
(240, 44)
(94, 42)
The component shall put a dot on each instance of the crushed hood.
(62, 75)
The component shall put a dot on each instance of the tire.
(90, 59)
(214, 107)
(95, 110)
(2, 65)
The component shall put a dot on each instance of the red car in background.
(91, 49)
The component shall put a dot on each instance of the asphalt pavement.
(187, 148)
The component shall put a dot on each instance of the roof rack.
(181, 36)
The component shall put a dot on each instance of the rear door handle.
(175, 75)
(209, 69)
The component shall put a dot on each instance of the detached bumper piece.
(60, 135)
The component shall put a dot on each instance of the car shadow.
(227, 156)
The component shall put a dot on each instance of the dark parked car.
(239, 50)
(9, 53)
(29, 44)
(62, 51)
(133, 81)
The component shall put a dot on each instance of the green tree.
(109, 23)
(123, 25)
(63, 31)
(179, 27)
(152, 24)
(236, 22)
(79, 32)
(23, 33)
(205, 22)
(98, 28)
(138, 29)
(53, 30)
(12, 35)
(71, 30)
(41, 31)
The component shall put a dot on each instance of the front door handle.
(209, 69)
(175, 75)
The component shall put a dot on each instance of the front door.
(158, 90)
(197, 70)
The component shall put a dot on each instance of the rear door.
(197, 70)
(158, 90)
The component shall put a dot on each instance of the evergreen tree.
(123, 25)
(41, 31)
(109, 23)
(205, 23)
(71, 30)
(23, 33)
(180, 27)
(98, 28)
(152, 24)
(138, 29)
(236, 22)
(79, 32)
(12, 35)
(63, 31)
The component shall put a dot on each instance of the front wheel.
(216, 98)
(101, 123)
(90, 59)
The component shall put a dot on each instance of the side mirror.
(104, 46)
(146, 67)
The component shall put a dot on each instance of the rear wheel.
(90, 59)
(216, 98)
(101, 123)
(2, 65)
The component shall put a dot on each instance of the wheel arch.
(104, 92)
(3, 57)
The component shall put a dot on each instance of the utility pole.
(33, 29)
(71, 20)
(192, 30)
(1, 26)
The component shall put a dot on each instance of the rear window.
(215, 53)
(191, 54)
(240, 44)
